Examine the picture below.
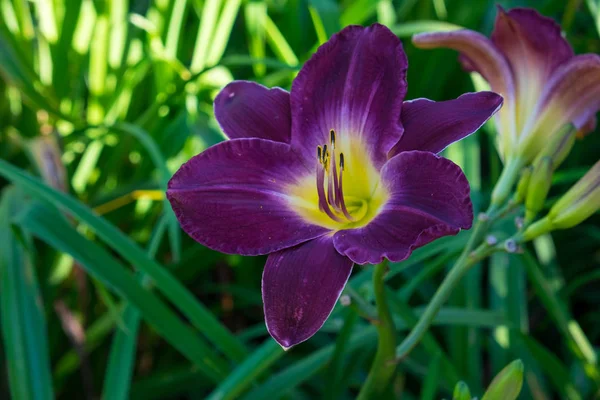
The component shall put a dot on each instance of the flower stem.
(507, 180)
(382, 369)
(462, 265)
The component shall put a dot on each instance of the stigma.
(329, 181)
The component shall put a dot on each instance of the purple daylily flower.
(529, 62)
(324, 177)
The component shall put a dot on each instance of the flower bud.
(523, 184)
(559, 146)
(579, 203)
(538, 188)
(461, 392)
(551, 156)
(507, 384)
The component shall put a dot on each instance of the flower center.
(344, 196)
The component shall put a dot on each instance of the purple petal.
(572, 95)
(233, 197)
(354, 84)
(479, 54)
(249, 110)
(300, 286)
(432, 126)
(429, 198)
(534, 47)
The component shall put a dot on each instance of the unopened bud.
(559, 146)
(461, 392)
(523, 184)
(539, 186)
(579, 203)
(507, 384)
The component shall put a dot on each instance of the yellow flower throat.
(343, 197)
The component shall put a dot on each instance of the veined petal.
(248, 110)
(534, 48)
(300, 287)
(354, 84)
(429, 198)
(572, 95)
(478, 53)
(432, 126)
(233, 197)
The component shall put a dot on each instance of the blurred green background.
(102, 295)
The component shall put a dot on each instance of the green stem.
(462, 265)
(507, 180)
(383, 367)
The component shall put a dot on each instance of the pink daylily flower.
(529, 62)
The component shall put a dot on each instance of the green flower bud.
(579, 203)
(461, 392)
(538, 188)
(507, 384)
(522, 186)
(559, 146)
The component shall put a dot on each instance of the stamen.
(333, 195)
(323, 205)
(340, 191)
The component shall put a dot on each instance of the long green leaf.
(119, 372)
(300, 371)
(568, 326)
(50, 227)
(553, 366)
(178, 294)
(245, 374)
(21, 307)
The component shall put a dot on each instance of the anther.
(320, 154)
(341, 161)
(332, 136)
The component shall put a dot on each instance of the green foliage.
(101, 295)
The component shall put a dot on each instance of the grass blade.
(178, 294)
(23, 322)
(246, 373)
(122, 355)
(119, 372)
(53, 229)
(568, 326)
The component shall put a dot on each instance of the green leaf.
(507, 384)
(430, 384)
(302, 370)
(119, 372)
(461, 392)
(246, 373)
(22, 311)
(554, 367)
(173, 290)
(53, 229)
(122, 356)
(408, 29)
(568, 326)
